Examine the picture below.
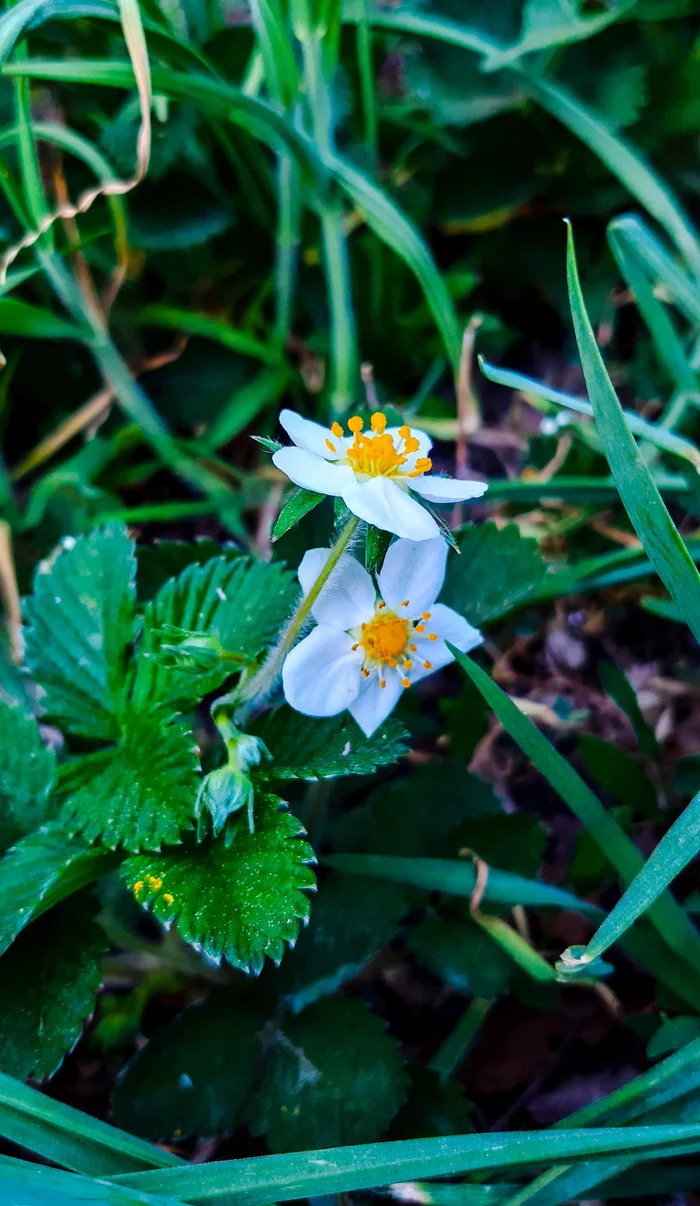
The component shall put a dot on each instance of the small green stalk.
(453, 1051)
(261, 683)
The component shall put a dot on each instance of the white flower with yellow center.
(373, 642)
(375, 472)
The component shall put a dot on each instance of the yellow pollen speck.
(405, 603)
(427, 665)
(365, 673)
(404, 432)
(426, 615)
(154, 882)
(405, 682)
(408, 664)
(168, 898)
(413, 648)
(137, 886)
(337, 431)
(354, 647)
(177, 1133)
(331, 447)
(355, 424)
(382, 684)
(380, 606)
(432, 636)
(420, 627)
(378, 422)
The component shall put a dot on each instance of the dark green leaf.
(309, 748)
(240, 901)
(332, 1075)
(194, 1075)
(498, 570)
(139, 793)
(618, 774)
(462, 954)
(673, 1034)
(25, 1184)
(376, 546)
(295, 508)
(81, 622)
(616, 684)
(27, 771)
(48, 981)
(434, 1107)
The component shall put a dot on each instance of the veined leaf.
(48, 981)
(498, 570)
(243, 604)
(194, 1075)
(295, 508)
(39, 871)
(640, 496)
(140, 792)
(26, 773)
(309, 748)
(332, 1075)
(81, 621)
(241, 901)
(550, 23)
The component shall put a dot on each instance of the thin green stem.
(367, 88)
(288, 198)
(262, 682)
(451, 1053)
(343, 333)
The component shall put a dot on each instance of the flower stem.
(262, 682)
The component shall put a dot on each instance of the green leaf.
(551, 23)
(332, 1075)
(295, 508)
(27, 771)
(194, 1074)
(459, 952)
(434, 1107)
(618, 774)
(266, 443)
(139, 793)
(376, 547)
(48, 982)
(33, 322)
(243, 604)
(642, 501)
(81, 622)
(41, 870)
(305, 748)
(498, 570)
(673, 1034)
(25, 1184)
(241, 901)
(350, 922)
(667, 916)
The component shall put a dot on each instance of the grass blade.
(25, 1184)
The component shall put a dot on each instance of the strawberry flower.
(375, 472)
(373, 642)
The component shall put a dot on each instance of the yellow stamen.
(413, 648)
(404, 432)
(385, 638)
(331, 447)
(382, 684)
(420, 627)
(427, 665)
(432, 636)
(378, 422)
(353, 648)
(426, 615)
(355, 424)
(411, 445)
(381, 605)
(405, 603)
(365, 673)
(337, 431)
(405, 682)
(408, 664)
(423, 465)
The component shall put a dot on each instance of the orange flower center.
(374, 453)
(385, 638)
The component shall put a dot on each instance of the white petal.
(448, 625)
(380, 502)
(374, 703)
(312, 472)
(447, 489)
(307, 435)
(322, 675)
(413, 570)
(347, 598)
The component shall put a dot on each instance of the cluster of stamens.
(387, 640)
(374, 452)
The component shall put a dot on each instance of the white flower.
(371, 471)
(371, 642)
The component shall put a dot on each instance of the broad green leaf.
(350, 922)
(552, 23)
(640, 497)
(332, 1075)
(194, 1074)
(25, 1184)
(71, 1138)
(497, 571)
(667, 916)
(243, 604)
(138, 793)
(616, 684)
(434, 1107)
(309, 748)
(458, 878)
(618, 774)
(81, 622)
(39, 871)
(241, 901)
(48, 982)
(32, 322)
(672, 1034)
(462, 954)
(295, 508)
(27, 771)
(364, 1166)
